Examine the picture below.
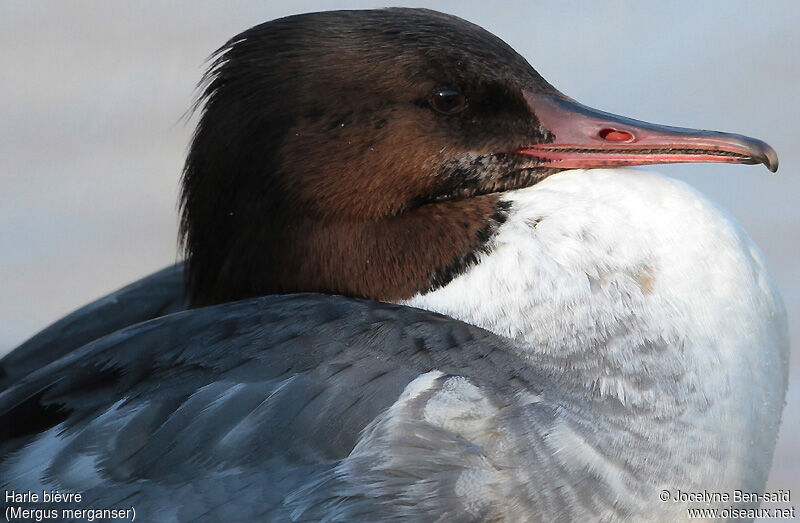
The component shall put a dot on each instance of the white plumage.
(634, 286)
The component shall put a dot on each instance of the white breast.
(591, 266)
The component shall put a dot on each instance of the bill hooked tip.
(768, 157)
(752, 150)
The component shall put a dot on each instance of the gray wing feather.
(228, 412)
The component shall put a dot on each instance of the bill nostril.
(615, 135)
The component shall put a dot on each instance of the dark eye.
(448, 101)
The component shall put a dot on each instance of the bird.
(420, 283)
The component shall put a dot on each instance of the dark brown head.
(363, 153)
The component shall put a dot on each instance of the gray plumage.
(238, 405)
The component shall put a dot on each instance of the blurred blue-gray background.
(92, 140)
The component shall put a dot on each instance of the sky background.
(92, 134)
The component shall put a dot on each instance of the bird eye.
(448, 101)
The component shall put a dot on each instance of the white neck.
(635, 287)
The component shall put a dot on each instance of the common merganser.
(484, 330)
